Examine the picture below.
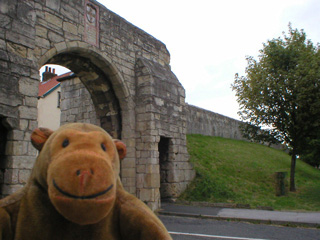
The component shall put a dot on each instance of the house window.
(59, 99)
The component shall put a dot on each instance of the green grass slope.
(231, 171)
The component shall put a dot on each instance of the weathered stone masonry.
(126, 71)
(201, 121)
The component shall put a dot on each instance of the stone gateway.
(135, 95)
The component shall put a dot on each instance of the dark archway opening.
(3, 143)
(98, 83)
(163, 147)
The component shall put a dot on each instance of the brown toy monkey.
(74, 192)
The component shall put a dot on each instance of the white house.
(49, 99)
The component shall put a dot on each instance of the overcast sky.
(208, 40)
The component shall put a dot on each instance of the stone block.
(143, 117)
(27, 136)
(152, 168)
(128, 163)
(152, 180)
(75, 111)
(33, 124)
(11, 176)
(148, 139)
(141, 168)
(43, 43)
(128, 172)
(17, 49)
(32, 151)
(24, 29)
(5, 21)
(16, 148)
(150, 146)
(146, 90)
(60, 46)
(141, 126)
(28, 112)
(31, 101)
(144, 80)
(23, 124)
(140, 180)
(175, 176)
(146, 195)
(41, 32)
(20, 70)
(71, 28)
(130, 182)
(70, 12)
(15, 135)
(5, 58)
(145, 154)
(53, 4)
(71, 118)
(54, 20)
(3, 44)
(72, 45)
(54, 37)
(159, 102)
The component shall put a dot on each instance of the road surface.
(182, 228)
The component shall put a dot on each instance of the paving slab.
(311, 219)
(281, 216)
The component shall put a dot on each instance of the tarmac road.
(207, 229)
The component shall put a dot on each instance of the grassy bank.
(231, 171)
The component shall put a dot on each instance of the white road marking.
(213, 236)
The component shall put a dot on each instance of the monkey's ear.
(39, 136)
(121, 147)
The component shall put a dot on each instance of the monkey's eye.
(65, 143)
(103, 146)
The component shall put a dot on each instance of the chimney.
(47, 74)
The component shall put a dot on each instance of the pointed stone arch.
(110, 94)
(127, 72)
(98, 60)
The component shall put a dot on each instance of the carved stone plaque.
(91, 22)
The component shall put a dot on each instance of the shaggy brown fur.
(74, 192)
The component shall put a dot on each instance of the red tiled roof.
(47, 86)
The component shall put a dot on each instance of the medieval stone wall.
(201, 121)
(76, 103)
(18, 92)
(135, 95)
(159, 107)
(161, 113)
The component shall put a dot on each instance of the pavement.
(304, 219)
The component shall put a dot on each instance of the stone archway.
(113, 104)
(127, 72)
(98, 84)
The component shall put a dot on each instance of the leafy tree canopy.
(281, 91)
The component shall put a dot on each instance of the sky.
(209, 40)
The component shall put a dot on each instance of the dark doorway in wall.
(163, 148)
(3, 142)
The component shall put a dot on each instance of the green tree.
(280, 93)
(311, 153)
